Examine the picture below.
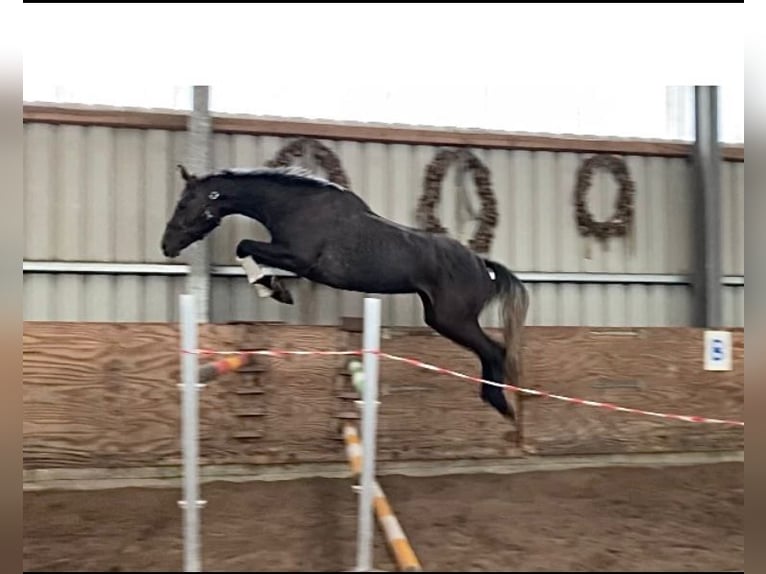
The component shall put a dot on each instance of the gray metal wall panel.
(609, 305)
(733, 218)
(69, 183)
(101, 204)
(38, 193)
(157, 158)
(679, 223)
(233, 299)
(550, 304)
(129, 223)
(119, 298)
(734, 306)
(36, 294)
(99, 194)
(104, 194)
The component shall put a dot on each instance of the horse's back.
(361, 250)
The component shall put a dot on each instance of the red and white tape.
(274, 352)
(610, 406)
(443, 371)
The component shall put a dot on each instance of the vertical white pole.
(199, 157)
(369, 428)
(189, 432)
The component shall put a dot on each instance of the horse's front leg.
(250, 253)
(272, 255)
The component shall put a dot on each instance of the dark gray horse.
(329, 235)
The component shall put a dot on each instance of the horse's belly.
(359, 273)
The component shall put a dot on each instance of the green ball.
(357, 379)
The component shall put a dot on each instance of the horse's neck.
(252, 200)
(262, 201)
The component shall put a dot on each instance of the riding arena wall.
(100, 184)
(609, 320)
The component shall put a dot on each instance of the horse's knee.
(243, 249)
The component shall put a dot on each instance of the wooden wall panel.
(105, 395)
(659, 370)
(70, 410)
(422, 411)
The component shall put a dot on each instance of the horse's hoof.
(513, 428)
(283, 296)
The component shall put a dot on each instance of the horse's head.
(196, 214)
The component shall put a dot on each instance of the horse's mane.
(288, 174)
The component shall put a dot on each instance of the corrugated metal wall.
(103, 195)
(733, 240)
(98, 194)
(551, 304)
(111, 298)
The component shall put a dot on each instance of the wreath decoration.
(621, 221)
(320, 153)
(425, 214)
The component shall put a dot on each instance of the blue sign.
(718, 353)
(717, 350)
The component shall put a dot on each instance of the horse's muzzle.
(170, 250)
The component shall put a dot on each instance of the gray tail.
(515, 303)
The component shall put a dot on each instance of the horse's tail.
(515, 304)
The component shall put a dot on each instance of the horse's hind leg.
(463, 329)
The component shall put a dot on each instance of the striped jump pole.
(215, 369)
(400, 548)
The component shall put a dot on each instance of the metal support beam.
(199, 160)
(707, 160)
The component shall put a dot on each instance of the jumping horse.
(327, 234)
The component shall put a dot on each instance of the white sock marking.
(252, 269)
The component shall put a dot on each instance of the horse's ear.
(185, 174)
